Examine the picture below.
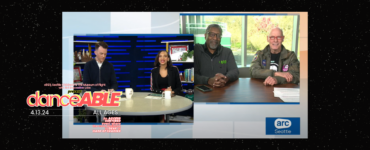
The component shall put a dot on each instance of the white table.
(138, 105)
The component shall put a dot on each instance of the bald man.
(275, 64)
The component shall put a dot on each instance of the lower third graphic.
(283, 126)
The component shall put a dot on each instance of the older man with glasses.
(275, 64)
(214, 64)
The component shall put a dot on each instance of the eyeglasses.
(276, 37)
(211, 34)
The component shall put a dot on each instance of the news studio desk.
(138, 105)
(241, 90)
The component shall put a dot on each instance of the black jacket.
(173, 80)
(105, 75)
(206, 67)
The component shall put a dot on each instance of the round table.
(138, 105)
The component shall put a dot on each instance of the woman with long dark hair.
(165, 76)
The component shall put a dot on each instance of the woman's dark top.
(173, 80)
(163, 82)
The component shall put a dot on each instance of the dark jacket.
(105, 75)
(260, 67)
(207, 67)
(173, 80)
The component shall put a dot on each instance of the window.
(243, 34)
(231, 27)
(258, 28)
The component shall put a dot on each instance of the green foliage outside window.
(258, 29)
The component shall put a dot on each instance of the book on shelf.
(192, 74)
(188, 78)
(189, 75)
(186, 75)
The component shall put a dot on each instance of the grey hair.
(214, 26)
(282, 34)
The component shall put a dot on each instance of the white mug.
(167, 94)
(129, 93)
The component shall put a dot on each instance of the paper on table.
(153, 97)
(290, 98)
(290, 89)
(123, 99)
(281, 93)
(286, 92)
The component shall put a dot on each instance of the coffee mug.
(129, 93)
(167, 94)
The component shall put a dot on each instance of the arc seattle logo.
(283, 126)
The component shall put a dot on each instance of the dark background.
(338, 62)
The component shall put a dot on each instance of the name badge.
(286, 67)
(264, 63)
